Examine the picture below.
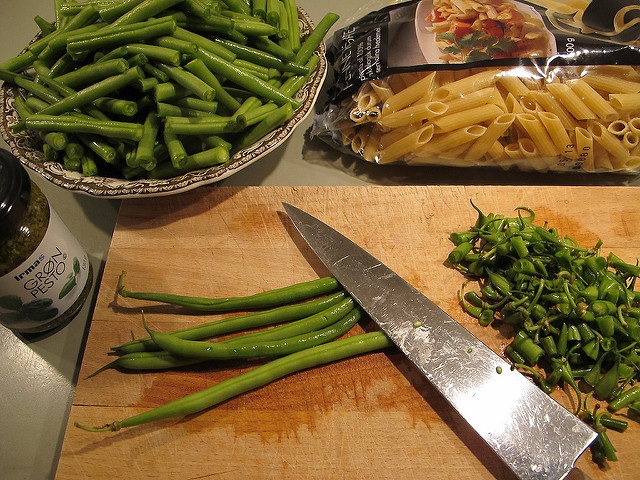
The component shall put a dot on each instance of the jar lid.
(15, 192)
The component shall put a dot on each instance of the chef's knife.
(532, 433)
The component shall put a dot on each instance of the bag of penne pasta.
(545, 85)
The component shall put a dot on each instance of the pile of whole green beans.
(309, 317)
(158, 88)
(575, 313)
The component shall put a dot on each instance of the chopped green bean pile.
(158, 88)
(574, 312)
(310, 333)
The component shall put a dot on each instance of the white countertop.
(38, 374)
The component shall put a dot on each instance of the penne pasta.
(407, 144)
(408, 95)
(496, 152)
(593, 100)
(630, 140)
(538, 134)
(513, 105)
(565, 119)
(574, 105)
(514, 85)
(550, 104)
(382, 89)
(611, 84)
(610, 143)
(472, 100)
(396, 134)
(490, 137)
(619, 127)
(634, 125)
(447, 123)
(360, 139)
(452, 139)
(558, 134)
(584, 145)
(465, 85)
(413, 114)
(625, 101)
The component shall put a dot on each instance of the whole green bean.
(142, 11)
(268, 124)
(196, 104)
(227, 351)
(247, 321)
(196, 8)
(255, 115)
(206, 158)
(294, 83)
(45, 26)
(73, 165)
(168, 91)
(254, 29)
(71, 124)
(110, 38)
(314, 39)
(158, 52)
(262, 58)
(258, 377)
(74, 150)
(238, 6)
(198, 68)
(206, 125)
(244, 80)
(145, 155)
(170, 110)
(40, 91)
(56, 140)
(117, 106)
(94, 72)
(309, 324)
(89, 167)
(273, 12)
(269, 46)
(270, 298)
(214, 23)
(259, 9)
(175, 44)
(160, 360)
(292, 20)
(177, 152)
(101, 148)
(189, 81)
(204, 43)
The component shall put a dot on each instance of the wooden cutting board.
(363, 418)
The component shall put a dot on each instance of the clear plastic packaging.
(487, 83)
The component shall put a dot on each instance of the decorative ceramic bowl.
(27, 146)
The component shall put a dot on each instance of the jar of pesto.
(45, 274)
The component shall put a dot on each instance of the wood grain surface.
(368, 417)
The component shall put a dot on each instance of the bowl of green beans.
(155, 97)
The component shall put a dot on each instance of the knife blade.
(536, 437)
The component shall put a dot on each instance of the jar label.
(48, 283)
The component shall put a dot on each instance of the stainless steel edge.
(533, 434)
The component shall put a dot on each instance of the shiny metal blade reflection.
(533, 434)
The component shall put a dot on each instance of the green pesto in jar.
(29, 233)
(45, 273)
